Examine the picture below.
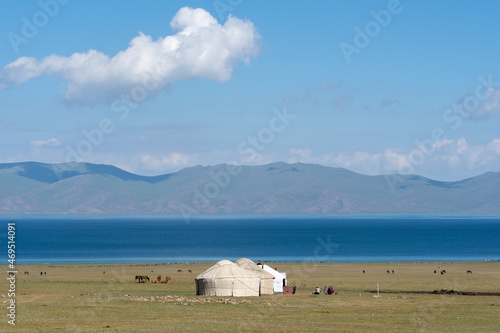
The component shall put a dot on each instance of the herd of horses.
(28, 273)
(435, 271)
(145, 278)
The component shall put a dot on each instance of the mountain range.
(276, 188)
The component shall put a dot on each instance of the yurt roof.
(273, 272)
(252, 266)
(244, 260)
(226, 269)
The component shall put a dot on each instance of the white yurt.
(279, 278)
(266, 278)
(227, 279)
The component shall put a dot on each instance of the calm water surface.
(158, 239)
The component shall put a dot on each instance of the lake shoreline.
(133, 240)
(103, 264)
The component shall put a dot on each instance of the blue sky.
(373, 86)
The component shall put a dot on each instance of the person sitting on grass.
(330, 290)
(318, 291)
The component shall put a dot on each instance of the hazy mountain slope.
(277, 188)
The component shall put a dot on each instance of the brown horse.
(469, 272)
(179, 271)
(167, 279)
(158, 278)
(190, 271)
(26, 273)
(141, 278)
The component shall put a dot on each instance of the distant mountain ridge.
(276, 188)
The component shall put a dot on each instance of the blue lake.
(162, 239)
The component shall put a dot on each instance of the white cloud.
(444, 160)
(300, 154)
(341, 100)
(163, 162)
(494, 145)
(490, 106)
(52, 142)
(202, 48)
(145, 163)
(442, 143)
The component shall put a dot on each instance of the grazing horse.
(392, 271)
(388, 272)
(167, 279)
(443, 271)
(26, 273)
(141, 278)
(190, 271)
(364, 271)
(469, 272)
(41, 273)
(179, 271)
(158, 278)
(434, 271)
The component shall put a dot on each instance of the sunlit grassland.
(83, 298)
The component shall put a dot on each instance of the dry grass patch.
(81, 298)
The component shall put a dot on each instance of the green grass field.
(74, 298)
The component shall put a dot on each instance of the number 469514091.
(11, 244)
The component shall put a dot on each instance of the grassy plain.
(81, 298)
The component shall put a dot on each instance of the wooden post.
(378, 290)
